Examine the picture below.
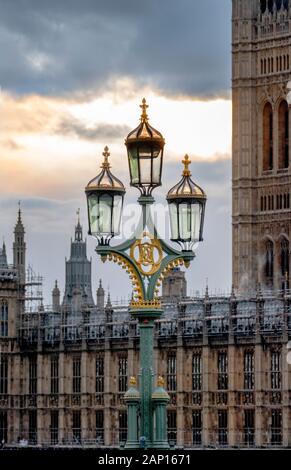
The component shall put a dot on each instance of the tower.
(261, 156)
(19, 248)
(100, 296)
(56, 295)
(78, 271)
(174, 286)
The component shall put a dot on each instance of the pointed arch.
(267, 137)
(284, 259)
(269, 262)
(283, 133)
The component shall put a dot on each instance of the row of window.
(270, 5)
(197, 426)
(276, 430)
(197, 378)
(282, 63)
(222, 371)
(283, 137)
(278, 202)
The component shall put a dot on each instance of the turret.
(3, 257)
(100, 296)
(56, 298)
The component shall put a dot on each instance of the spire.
(19, 246)
(78, 229)
(108, 304)
(19, 213)
(19, 224)
(3, 257)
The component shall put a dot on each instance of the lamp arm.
(119, 256)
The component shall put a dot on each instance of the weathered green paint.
(160, 399)
(146, 405)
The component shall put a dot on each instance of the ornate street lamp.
(147, 259)
(145, 149)
(105, 195)
(187, 209)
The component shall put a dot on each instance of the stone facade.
(64, 370)
(261, 129)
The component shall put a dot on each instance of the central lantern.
(145, 148)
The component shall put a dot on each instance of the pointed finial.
(161, 381)
(100, 283)
(144, 117)
(186, 162)
(106, 155)
(207, 290)
(132, 381)
(19, 211)
(56, 284)
(78, 214)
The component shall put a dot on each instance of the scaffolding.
(33, 291)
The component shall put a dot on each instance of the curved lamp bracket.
(147, 258)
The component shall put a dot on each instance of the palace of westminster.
(64, 369)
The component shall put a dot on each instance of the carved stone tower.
(19, 248)
(174, 286)
(261, 156)
(78, 272)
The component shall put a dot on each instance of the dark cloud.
(74, 127)
(61, 46)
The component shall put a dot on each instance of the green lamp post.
(146, 258)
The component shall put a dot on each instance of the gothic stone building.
(64, 370)
(261, 155)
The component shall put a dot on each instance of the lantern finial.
(106, 154)
(186, 162)
(144, 117)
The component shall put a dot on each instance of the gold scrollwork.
(147, 254)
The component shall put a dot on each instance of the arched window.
(286, 4)
(270, 5)
(278, 4)
(284, 257)
(283, 132)
(4, 319)
(268, 137)
(269, 264)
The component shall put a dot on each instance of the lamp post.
(146, 258)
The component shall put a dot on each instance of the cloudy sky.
(72, 75)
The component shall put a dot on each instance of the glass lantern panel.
(117, 207)
(174, 221)
(133, 162)
(105, 212)
(93, 213)
(196, 211)
(185, 221)
(156, 176)
(145, 165)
